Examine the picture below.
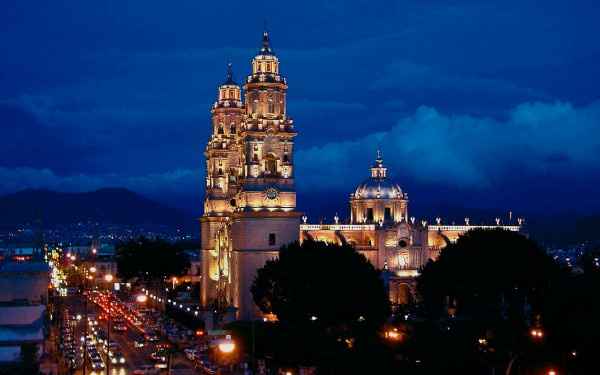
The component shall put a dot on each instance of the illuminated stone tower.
(223, 172)
(250, 208)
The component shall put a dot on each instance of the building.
(23, 298)
(250, 201)
(382, 230)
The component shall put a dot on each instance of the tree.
(315, 283)
(150, 259)
(330, 302)
(488, 273)
(497, 282)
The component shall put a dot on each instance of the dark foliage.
(330, 302)
(335, 284)
(150, 259)
(571, 316)
(488, 273)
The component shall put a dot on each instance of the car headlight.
(122, 360)
(114, 360)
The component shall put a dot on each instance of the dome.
(378, 186)
(375, 188)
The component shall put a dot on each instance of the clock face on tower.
(271, 193)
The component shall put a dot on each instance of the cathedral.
(250, 202)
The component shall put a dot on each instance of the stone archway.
(271, 164)
(401, 293)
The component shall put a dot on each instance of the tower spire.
(378, 170)
(266, 43)
(229, 78)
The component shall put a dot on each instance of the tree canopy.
(489, 270)
(150, 259)
(317, 283)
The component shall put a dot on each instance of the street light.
(93, 269)
(108, 277)
(141, 298)
(226, 346)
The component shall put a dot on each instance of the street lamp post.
(226, 348)
(86, 322)
(108, 344)
(108, 278)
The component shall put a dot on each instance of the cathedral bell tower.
(268, 137)
(250, 205)
(223, 172)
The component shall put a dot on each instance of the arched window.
(221, 131)
(232, 129)
(271, 165)
(255, 158)
(271, 108)
(286, 158)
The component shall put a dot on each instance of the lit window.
(388, 213)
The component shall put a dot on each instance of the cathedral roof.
(375, 188)
(378, 186)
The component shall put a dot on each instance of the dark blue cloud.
(119, 92)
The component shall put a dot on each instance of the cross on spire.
(229, 78)
(266, 43)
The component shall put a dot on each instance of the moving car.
(117, 358)
(97, 364)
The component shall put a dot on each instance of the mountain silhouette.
(109, 205)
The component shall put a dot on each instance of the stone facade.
(250, 203)
(380, 228)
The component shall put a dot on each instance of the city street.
(125, 338)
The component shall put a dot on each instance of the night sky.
(477, 104)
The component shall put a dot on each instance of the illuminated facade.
(381, 229)
(250, 203)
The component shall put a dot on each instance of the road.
(134, 357)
